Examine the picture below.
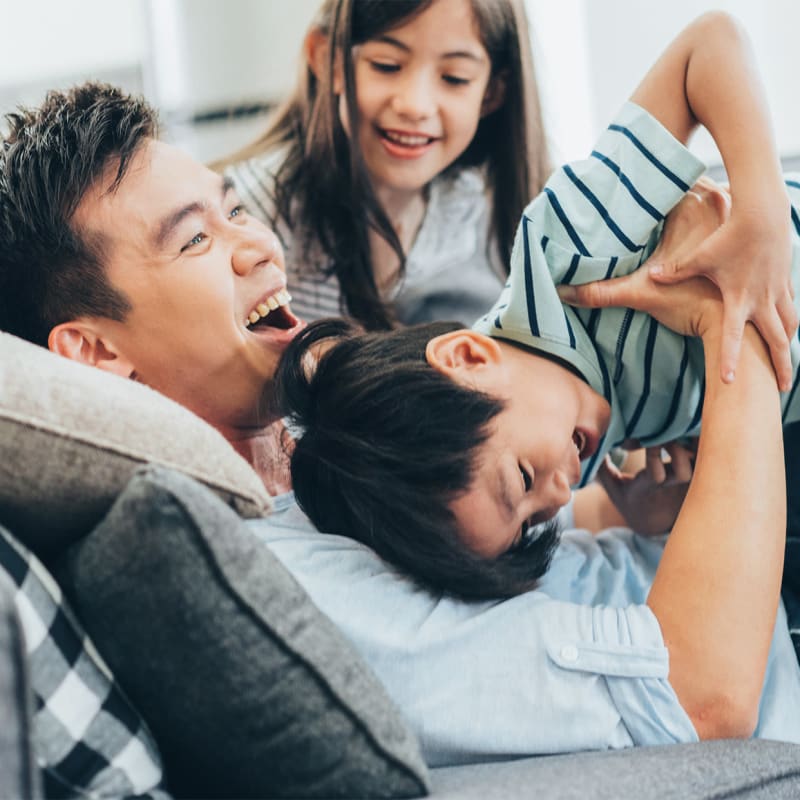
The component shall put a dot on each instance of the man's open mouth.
(272, 312)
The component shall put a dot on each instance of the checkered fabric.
(88, 740)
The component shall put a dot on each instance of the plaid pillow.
(87, 737)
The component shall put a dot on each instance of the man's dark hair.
(386, 444)
(50, 156)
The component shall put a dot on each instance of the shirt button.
(569, 652)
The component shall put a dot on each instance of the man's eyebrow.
(452, 54)
(168, 224)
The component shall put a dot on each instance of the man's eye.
(527, 481)
(198, 238)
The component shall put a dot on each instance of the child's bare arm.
(708, 76)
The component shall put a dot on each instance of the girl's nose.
(414, 99)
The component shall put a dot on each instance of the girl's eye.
(382, 66)
(454, 80)
(527, 482)
(238, 211)
(198, 238)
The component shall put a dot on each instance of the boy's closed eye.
(527, 478)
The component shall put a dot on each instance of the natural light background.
(197, 58)
(591, 54)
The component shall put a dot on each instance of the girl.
(396, 172)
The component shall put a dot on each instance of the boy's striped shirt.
(601, 218)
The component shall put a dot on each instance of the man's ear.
(463, 354)
(495, 94)
(316, 47)
(80, 341)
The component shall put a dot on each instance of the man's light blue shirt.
(577, 664)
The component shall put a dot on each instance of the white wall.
(42, 39)
(592, 54)
(194, 55)
(205, 55)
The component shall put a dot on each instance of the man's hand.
(677, 303)
(689, 308)
(746, 252)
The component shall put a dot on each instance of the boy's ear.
(495, 94)
(80, 341)
(462, 354)
(316, 47)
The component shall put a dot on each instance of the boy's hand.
(747, 254)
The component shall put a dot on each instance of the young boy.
(441, 447)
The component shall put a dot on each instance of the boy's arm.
(708, 76)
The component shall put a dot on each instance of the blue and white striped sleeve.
(595, 219)
(612, 203)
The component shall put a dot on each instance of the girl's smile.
(406, 144)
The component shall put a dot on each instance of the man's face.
(194, 267)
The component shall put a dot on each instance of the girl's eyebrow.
(452, 54)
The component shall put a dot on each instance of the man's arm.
(716, 590)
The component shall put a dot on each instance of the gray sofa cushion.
(71, 436)
(18, 774)
(735, 770)
(249, 689)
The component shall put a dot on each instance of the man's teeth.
(579, 440)
(272, 302)
(407, 139)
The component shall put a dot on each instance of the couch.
(150, 646)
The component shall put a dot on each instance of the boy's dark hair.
(387, 442)
(50, 271)
(323, 188)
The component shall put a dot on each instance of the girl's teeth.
(412, 141)
(272, 303)
(262, 309)
(254, 317)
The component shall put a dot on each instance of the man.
(123, 253)
(120, 252)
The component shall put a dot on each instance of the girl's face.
(421, 90)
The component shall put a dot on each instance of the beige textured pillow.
(71, 436)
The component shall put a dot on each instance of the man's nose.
(255, 245)
(415, 97)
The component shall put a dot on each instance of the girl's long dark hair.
(322, 189)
